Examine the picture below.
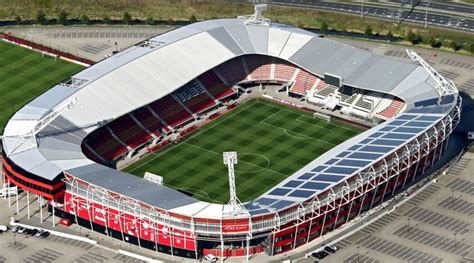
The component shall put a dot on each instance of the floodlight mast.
(256, 18)
(443, 86)
(230, 158)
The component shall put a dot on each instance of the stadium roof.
(145, 73)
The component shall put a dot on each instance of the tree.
(18, 19)
(126, 18)
(85, 19)
(150, 20)
(435, 43)
(415, 39)
(368, 31)
(390, 35)
(324, 27)
(62, 17)
(40, 17)
(410, 36)
(456, 46)
(193, 19)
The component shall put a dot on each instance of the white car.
(3, 228)
(211, 257)
(21, 230)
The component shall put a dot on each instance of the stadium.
(359, 127)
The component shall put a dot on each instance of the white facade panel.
(277, 39)
(294, 43)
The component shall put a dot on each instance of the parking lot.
(434, 226)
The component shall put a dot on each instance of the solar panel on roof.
(353, 163)
(365, 141)
(315, 186)
(319, 168)
(343, 154)
(280, 191)
(377, 149)
(301, 193)
(293, 183)
(400, 136)
(331, 161)
(251, 206)
(281, 204)
(406, 117)
(397, 122)
(328, 178)
(376, 134)
(388, 142)
(387, 128)
(422, 110)
(259, 211)
(341, 170)
(355, 147)
(427, 118)
(418, 124)
(306, 176)
(265, 201)
(365, 156)
(408, 130)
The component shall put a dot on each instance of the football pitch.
(272, 141)
(25, 74)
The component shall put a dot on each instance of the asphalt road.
(448, 21)
(454, 7)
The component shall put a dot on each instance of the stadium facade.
(61, 146)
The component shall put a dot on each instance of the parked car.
(45, 234)
(39, 233)
(324, 253)
(15, 228)
(211, 257)
(3, 228)
(329, 249)
(33, 232)
(21, 230)
(318, 255)
(334, 247)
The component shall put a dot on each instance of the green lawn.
(25, 74)
(272, 141)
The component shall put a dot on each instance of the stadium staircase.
(303, 83)
(284, 71)
(170, 111)
(149, 121)
(215, 86)
(259, 67)
(194, 97)
(126, 130)
(105, 145)
(232, 71)
(166, 127)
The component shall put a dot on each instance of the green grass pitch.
(272, 141)
(25, 74)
